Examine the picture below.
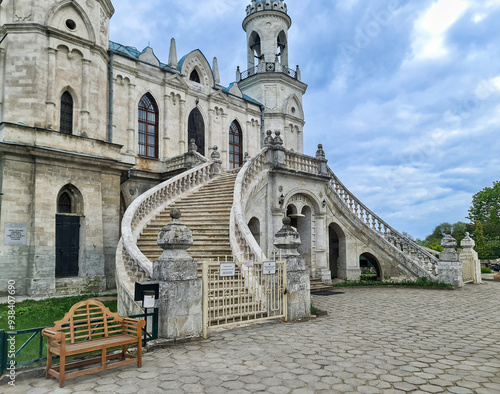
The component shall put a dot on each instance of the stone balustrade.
(242, 241)
(147, 206)
(303, 163)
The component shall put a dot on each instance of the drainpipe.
(262, 109)
(110, 131)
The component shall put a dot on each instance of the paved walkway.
(374, 340)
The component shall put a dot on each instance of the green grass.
(34, 314)
(486, 270)
(421, 282)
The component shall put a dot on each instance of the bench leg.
(49, 364)
(139, 353)
(124, 350)
(62, 369)
(103, 358)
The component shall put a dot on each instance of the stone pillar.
(131, 118)
(180, 298)
(183, 133)
(449, 265)
(85, 94)
(469, 256)
(190, 159)
(276, 152)
(298, 287)
(164, 122)
(51, 78)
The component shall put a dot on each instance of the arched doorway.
(336, 250)
(196, 130)
(69, 207)
(370, 267)
(254, 226)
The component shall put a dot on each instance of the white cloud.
(430, 29)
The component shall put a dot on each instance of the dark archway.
(69, 207)
(337, 250)
(66, 126)
(304, 227)
(196, 130)
(370, 267)
(254, 226)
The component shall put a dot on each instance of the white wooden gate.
(241, 292)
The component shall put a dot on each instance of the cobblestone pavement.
(374, 340)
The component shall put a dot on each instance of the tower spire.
(172, 55)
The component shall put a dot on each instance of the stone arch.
(196, 60)
(367, 259)
(293, 107)
(76, 105)
(58, 17)
(196, 129)
(254, 226)
(337, 251)
(282, 47)
(76, 197)
(301, 207)
(254, 48)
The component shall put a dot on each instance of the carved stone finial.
(320, 153)
(269, 140)
(215, 154)
(175, 213)
(448, 242)
(192, 146)
(467, 242)
(287, 239)
(277, 138)
(246, 157)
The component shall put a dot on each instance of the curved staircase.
(206, 212)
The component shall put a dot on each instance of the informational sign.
(269, 267)
(227, 269)
(16, 234)
(149, 301)
(249, 264)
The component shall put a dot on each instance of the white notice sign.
(269, 267)
(227, 269)
(16, 234)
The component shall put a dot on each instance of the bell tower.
(268, 78)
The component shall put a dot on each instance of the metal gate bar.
(251, 292)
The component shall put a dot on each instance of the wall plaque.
(269, 267)
(16, 234)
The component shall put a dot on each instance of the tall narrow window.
(148, 127)
(235, 146)
(66, 113)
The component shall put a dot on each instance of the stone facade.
(52, 50)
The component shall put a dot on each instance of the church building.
(89, 127)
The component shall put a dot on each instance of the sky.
(404, 95)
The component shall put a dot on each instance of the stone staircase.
(206, 212)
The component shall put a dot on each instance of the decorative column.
(182, 129)
(449, 265)
(298, 286)
(131, 112)
(166, 138)
(85, 93)
(51, 78)
(180, 297)
(469, 258)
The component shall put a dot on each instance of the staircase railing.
(241, 239)
(426, 260)
(143, 208)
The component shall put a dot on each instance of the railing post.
(469, 257)
(180, 296)
(449, 265)
(215, 156)
(298, 286)
(3, 351)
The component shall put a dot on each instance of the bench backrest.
(87, 320)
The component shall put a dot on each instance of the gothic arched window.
(64, 203)
(66, 126)
(195, 77)
(148, 127)
(235, 146)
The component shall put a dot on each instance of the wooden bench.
(89, 326)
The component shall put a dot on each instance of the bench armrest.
(54, 335)
(133, 325)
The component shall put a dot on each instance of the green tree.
(457, 230)
(486, 206)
